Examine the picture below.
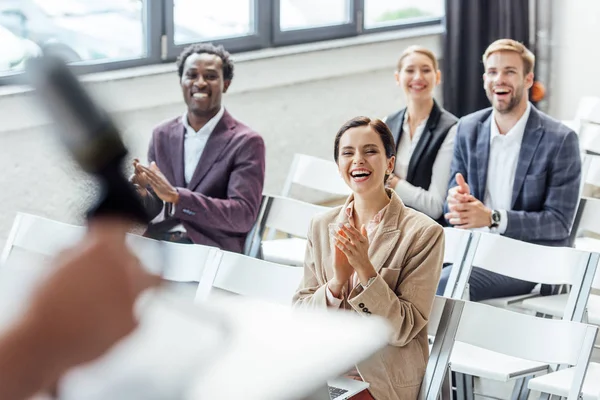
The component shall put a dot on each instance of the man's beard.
(504, 108)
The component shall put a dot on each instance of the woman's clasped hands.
(351, 255)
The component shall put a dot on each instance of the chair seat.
(555, 306)
(507, 302)
(558, 383)
(587, 244)
(472, 360)
(285, 251)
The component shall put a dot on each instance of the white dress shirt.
(430, 201)
(195, 141)
(193, 147)
(502, 167)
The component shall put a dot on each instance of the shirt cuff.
(503, 221)
(332, 301)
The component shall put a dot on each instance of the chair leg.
(469, 388)
(525, 389)
(447, 386)
(461, 387)
(517, 388)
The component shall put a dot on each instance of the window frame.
(159, 30)
(258, 40)
(403, 24)
(151, 24)
(306, 35)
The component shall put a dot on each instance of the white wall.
(295, 97)
(575, 55)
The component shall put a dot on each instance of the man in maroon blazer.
(206, 174)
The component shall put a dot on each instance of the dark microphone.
(89, 134)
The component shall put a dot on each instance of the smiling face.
(505, 82)
(362, 160)
(202, 84)
(417, 76)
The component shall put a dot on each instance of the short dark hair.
(377, 125)
(208, 48)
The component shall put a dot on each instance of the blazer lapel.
(396, 126)
(482, 157)
(178, 158)
(387, 234)
(215, 145)
(430, 125)
(529, 144)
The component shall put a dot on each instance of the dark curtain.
(471, 25)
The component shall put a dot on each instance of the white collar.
(208, 127)
(517, 131)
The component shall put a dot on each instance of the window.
(201, 20)
(304, 14)
(98, 35)
(78, 30)
(385, 13)
(301, 21)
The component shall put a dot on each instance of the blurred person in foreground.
(375, 256)
(206, 169)
(424, 135)
(75, 315)
(516, 171)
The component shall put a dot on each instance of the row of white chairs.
(560, 267)
(200, 271)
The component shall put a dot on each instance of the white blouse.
(430, 201)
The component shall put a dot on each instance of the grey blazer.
(546, 188)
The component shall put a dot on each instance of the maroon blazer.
(221, 203)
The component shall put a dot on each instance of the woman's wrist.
(336, 287)
(366, 273)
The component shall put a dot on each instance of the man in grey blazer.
(206, 174)
(515, 170)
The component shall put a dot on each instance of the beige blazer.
(407, 251)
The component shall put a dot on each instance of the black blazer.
(421, 162)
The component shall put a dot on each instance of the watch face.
(496, 216)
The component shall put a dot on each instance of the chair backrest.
(537, 339)
(248, 276)
(32, 235)
(442, 324)
(544, 340)
(175, 262)
(588, 215)
(315, 173)
(283, 214)
(533, 263)
(40, 235)
(457, 243)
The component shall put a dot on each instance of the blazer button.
(368, 312)
(365, 310)
(361, 305)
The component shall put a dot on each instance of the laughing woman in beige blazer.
(375, 256)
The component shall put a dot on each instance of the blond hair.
(419, 50)
(514, 46)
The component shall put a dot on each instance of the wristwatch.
(369, 282)
(495, 219)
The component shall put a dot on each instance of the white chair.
(33, 240)
(247, 276)
(526, 261)
(43, 236)
(457, 243)
(315, 173)
(289, 216)
(442, 325)
(180, 265)
(539, 340)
